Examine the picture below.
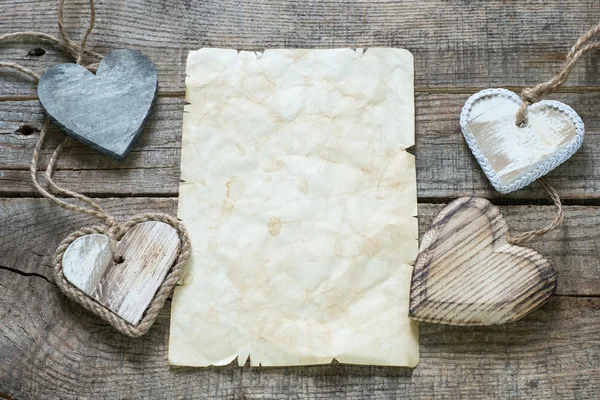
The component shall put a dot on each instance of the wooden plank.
(33, 228)
(472, 45)
(151, 168)
(570, 248)
(52, 349)
(157, 147)
(445, 167)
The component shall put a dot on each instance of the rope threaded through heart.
(111, 228)
(533, 94)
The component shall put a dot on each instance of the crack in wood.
(26, 274)
(581, 296)
(5, 396)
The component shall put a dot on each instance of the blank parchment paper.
(300, 201)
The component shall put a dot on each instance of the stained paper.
(300, 201)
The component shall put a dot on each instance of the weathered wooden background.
(51, 349)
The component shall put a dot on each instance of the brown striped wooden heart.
(468, 274)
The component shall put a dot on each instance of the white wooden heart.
(511, 156)
(149, 250)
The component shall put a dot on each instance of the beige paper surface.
(300, 201)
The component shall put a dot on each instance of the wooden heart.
(511, 156)
(149, 250)
(467, 273)
(106, 111)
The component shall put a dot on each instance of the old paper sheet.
(300, 201)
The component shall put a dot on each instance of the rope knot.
(533, 94)
(530, 95)
(521, 119)
(113, 233)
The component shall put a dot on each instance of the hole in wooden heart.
(511, 155)
(150, 249)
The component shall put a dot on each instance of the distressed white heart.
(511, 156)
(149, 250)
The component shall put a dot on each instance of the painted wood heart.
(149, 250)
(511, 156)
(467, 273)
(106, 111)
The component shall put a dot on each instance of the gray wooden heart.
(106, 111)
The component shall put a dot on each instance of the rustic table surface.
(51, 349)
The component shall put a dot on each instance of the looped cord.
(533, 94)
(161, 295)
(93, 208)
(556, 222)
(112, 228)
(76, 51)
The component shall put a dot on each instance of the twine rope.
(558, 219)
(111, 228)
(533, 94)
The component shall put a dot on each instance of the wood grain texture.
(54, 349)
(467, 44)
(148, 251)
(51, 349)
(468, 274)
(151, 168)
(33, 228)
(445, 167)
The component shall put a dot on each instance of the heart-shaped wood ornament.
(512, 156)
(121, 292)
(467, 273)
(106, 111)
